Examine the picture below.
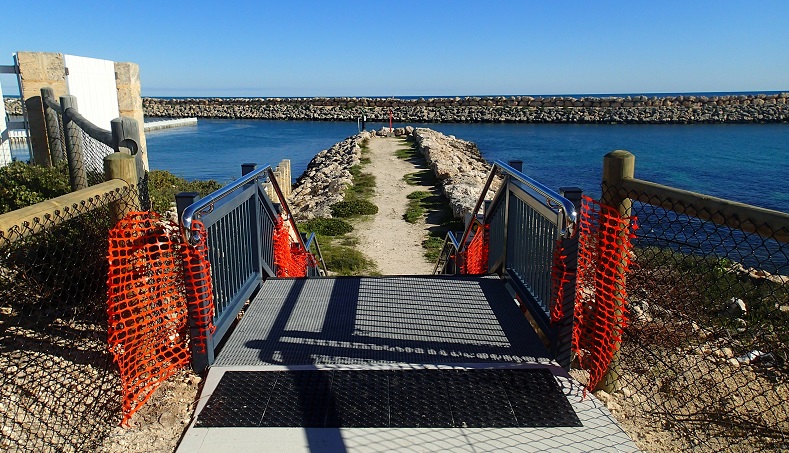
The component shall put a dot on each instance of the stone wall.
(458, 166)
(759, 108)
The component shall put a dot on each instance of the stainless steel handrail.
(197, 208)
(450, 238)
(567, 206)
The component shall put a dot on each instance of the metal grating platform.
(382, 320)
(476, 398)
(350, 364)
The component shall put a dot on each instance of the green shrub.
(326, 227)
(418, 195)
(347, 261)
(163, 185)
(354, 207)
(23, 185)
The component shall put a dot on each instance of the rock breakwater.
(760, 108)
(324, 181)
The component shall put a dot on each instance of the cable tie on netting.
(601, 311)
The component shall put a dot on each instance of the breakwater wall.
(759, 108)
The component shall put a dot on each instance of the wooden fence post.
(74, 147)
(122, 166)
(617, 166)
(52, 126)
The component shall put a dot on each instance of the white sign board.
(92, 81)
(5, 145)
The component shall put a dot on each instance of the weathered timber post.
(125, 135)
(74, 147)
(617, 166)
(122, 166)
(126, 139)
(569, 262)
(52, 126)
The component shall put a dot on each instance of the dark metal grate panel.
(372, 320)
(476, 398)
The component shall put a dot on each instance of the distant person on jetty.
(364, 120)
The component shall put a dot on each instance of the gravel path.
(394, 244)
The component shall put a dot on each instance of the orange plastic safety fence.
(560, 276)
(475, 256)
(199, 291)
(290, 258)
(600, 303)
(147, 335)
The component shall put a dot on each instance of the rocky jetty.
(457, 164)
(324, 181)
(760, 108)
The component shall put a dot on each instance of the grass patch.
(432, 246)
(408, 153)
(421, 177)
(326, 227)
(363, 186)
(417, 204)
(352, 208)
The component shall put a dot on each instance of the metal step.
(475, 398)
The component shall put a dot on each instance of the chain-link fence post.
(121, 166)
(617, 165)
(53, 127)
(74, 145)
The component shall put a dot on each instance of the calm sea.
(743, 162)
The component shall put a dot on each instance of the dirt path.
(394, 244)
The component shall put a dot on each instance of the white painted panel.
(92, 81)
(5, 145)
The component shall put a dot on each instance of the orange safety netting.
(199, 290)
(600, 302)
(475, 256)
(560, 276)
(290, 258)
(147, 335)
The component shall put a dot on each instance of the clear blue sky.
(416, 48)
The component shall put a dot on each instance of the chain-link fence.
(78, 147)
(704, 357)
(59, 390)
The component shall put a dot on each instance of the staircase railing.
(238, 222)
(531, 232)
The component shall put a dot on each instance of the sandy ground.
(394, 244)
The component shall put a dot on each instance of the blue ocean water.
(743, 162)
